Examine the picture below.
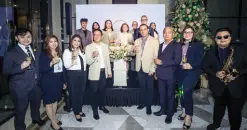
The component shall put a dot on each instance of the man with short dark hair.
(97, 55)
(146, 49)
(85, 34)
(21, 63)
(225, 65)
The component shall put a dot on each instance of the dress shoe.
(96, 115)
(60, 128)
(83, 115)
(104, 109)
(213, 127)
(149, 111)
(40, 122)
(140, 106)
(160, 112)
(168, 120)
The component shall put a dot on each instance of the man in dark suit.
(226, 65)
(169, 58)
(144, 20)
(85, 34)
(21, 64)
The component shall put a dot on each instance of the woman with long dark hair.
(109, 35)
(95, 26)
(153, 26)
(75, 63)
(189, 72)
(52, 78)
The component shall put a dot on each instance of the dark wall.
(124, 1)
(229, 13)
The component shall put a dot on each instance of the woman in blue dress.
(52, 79)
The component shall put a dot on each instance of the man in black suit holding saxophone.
(225, 65)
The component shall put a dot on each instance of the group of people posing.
(87, 58)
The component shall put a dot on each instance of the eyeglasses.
(220, 37)
(144, 19)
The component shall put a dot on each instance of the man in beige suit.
(146, 48)
(97, 55)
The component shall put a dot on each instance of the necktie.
(29, 53)
(82, 63)
(32, 66)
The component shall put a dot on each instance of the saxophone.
(227, 68)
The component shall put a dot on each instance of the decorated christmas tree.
(192, 12)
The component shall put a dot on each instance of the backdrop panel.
(121, 13)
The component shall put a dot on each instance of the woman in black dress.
(52, 79)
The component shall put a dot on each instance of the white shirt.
(25, 50)
(99, 49)
(165, 45)
(67, 59)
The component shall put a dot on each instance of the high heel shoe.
(60, 128)
(186, 127)
(59, 123)
(180, 117)
(79, 120)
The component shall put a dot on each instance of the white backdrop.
(121, 13)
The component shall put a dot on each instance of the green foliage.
(192, 12)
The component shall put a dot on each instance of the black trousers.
(76, 84)
(234, 106)
(167, 96)
(21, 99)
(98, 91)
(146, 86)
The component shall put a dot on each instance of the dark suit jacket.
(171, 59)
(138, 35)
(20, 79)
(85, 39)
(211, 65)
(194, 57)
